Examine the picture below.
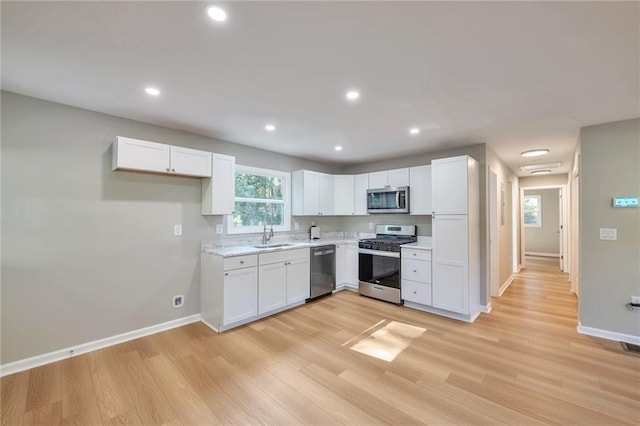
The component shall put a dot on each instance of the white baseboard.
(505, 285)
(519, 269)
(486, 308)
(610, 335)
(542, 254)
(38, 360)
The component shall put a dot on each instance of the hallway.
(346, 359)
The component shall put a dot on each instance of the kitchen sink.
(274, 245)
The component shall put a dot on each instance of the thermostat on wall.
(625, 201)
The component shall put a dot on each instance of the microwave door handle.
(397, 199)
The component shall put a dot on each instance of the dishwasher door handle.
(322, 253)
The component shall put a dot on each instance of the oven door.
(379, 267)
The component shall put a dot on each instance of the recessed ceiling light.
(541, 172)
(153, 91)
(338, 148)
(535, 153)
(270, 127)
(352, 95)
(217, 14)
(414, 130)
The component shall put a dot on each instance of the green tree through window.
(532, 210)
(261, 198)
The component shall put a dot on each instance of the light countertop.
(295, 244)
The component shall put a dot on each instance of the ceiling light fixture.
(338, 148)
(152, 91)
(530, 167)
(352, 95)
(541, 172)
(535, 153)
(217, 14)
(270, 127)
(414, 130)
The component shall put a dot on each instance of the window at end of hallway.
(532, 211)
(262, 198)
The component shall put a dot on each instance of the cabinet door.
(325, 194)
(420, 190)
(378, 180)
(398, 177)
(218, 192)
(135, 154)
(311, 196)
(351, 257)
(341, 265)
(343, 195)
(298, 280)
(272, 287)
(190, 162)
(361, 184)
(449, 185)
(450, 280)
(240, 295)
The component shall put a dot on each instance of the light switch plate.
(177, 230)
(296, 226)
(219, 228)
(610, 234)
(370, 225)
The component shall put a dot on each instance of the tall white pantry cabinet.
(456, 236)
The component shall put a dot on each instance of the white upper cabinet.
(361, 184)
(389, 178)
(312, 193)
(218, 192)
(135, 154)
(450, 185)
(343, 195)
(420, 190)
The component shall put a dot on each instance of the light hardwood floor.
(523, 364)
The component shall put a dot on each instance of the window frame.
(538, 224)
(286, 201)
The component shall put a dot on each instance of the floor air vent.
(630, 347)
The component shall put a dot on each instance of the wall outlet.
(178, 301)
(635, 300)
(296, 226)
(610, 234)
(177, 230)
(219, 228)
(370, 225)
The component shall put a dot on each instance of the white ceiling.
(515, 75)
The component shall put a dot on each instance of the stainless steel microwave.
(388, 200)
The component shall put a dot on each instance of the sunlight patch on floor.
(388, 342)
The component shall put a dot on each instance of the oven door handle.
(379, 253)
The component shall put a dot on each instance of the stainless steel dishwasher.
(323, 270)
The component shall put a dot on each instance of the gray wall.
(609, 270)
(545, 239)
(88, 253)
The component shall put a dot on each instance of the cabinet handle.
(168, 169)
(415, 270)
(173, 170)
(414, 292)
(226, 274)
(414, 254)
(242, 262)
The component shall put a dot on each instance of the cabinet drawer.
(416, 292)
(283, 255)
(408, 253)
(236, 262)
(416, 270)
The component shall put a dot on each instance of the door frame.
(494, 279)
(563, 217)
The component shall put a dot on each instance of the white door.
(272, 287)
(361, 185)
(378, 180)
(135, 154)
(190, 162)
(343, 195)
(493, 233)
(450, 263)
(398, 177)
(420, 190)
(240, 295)
(449, 185)
(298, 280)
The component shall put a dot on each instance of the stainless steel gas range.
(379, 261)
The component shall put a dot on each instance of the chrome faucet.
(265, 238)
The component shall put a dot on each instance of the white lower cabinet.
(283, 279)
(347, 265)
(415, 270)
(229, 289)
